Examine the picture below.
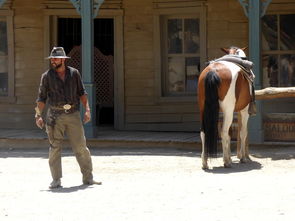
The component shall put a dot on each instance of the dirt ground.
(149, 184)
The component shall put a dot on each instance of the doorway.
(69, 36)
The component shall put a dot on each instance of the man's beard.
(57, 66)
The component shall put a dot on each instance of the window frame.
(10, 98)
(160, 58)
(278, 52)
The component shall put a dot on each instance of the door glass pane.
(269, 26)
(174, 30)
(192, 66)
(270, 71)
(176, 74)
(287, 70)
(191, 36)
(3, 58)
(287, 32)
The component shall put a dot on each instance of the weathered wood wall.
(66, 4)
(28, 35)
(226, 26)
(29, 57)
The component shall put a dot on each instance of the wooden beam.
(274, 92)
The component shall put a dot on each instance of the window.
(278, 45)
(6, 57)
(181, 55)
(179, 50)
(3, 58)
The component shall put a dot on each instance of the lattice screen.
(103, 74)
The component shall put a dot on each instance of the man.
(62, 89)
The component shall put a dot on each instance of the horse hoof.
(243, 160)
(248, 158)
(205, 167)
(227, 165)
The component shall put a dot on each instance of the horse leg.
(247, 149)
(225, 138)
(243, 153)
(204, 155)
(238, 135)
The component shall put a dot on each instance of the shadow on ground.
(237, 167)
(286, 153)
(41, 153)
(68, 189)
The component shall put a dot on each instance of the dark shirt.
(58, 92)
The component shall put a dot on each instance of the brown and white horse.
(222, 86)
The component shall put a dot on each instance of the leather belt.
(67, 108)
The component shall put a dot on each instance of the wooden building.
(151, 53)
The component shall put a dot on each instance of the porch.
(109, 138)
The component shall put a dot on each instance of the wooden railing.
(274, 92)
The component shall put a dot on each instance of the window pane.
(174, 36)
(287, 68)
(269, 32)
(3, 36)
(176, 74)
(270, 71)
(287, 32)
(3, 84)
(192, 73)
(3, 59)
(191, 36)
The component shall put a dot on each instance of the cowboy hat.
(57, 52)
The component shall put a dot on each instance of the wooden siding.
(28, 66)
(66, 4)
(143, 109)
(226, 25)
(177, 3)
(282, 6)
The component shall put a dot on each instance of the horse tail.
(211, 113)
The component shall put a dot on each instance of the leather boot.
(91, 182)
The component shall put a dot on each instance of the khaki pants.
(71, 125)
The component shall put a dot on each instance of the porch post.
(88, 9)
(87, 62)
(254, 10)
(256, 132)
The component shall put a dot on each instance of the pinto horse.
(222, 86)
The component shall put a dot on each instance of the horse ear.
(244, 48)
(225, 50)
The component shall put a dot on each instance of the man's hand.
(39, 122)
(87, 116)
